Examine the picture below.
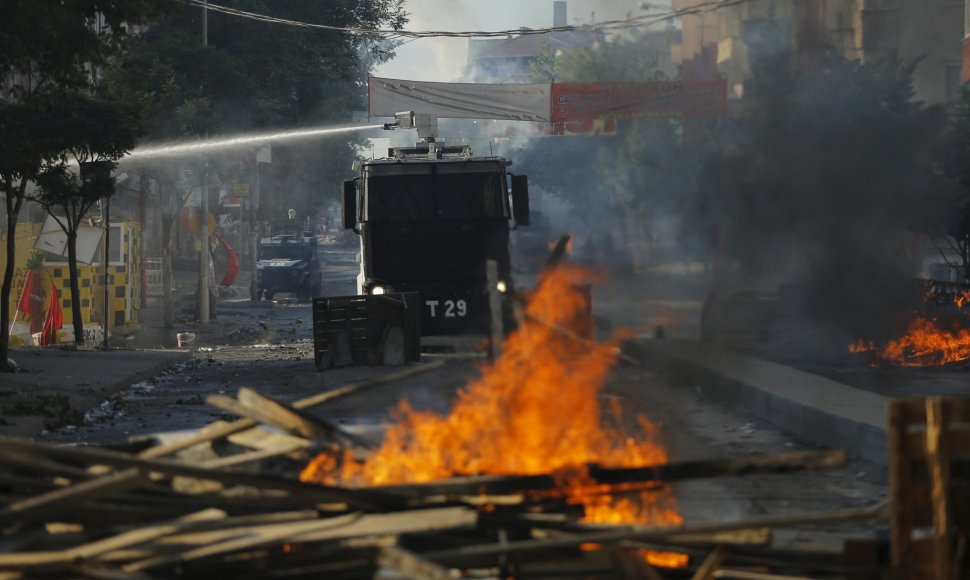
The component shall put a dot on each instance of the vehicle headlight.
(502, 287)
(378, 290)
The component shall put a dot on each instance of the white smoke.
(444, 59)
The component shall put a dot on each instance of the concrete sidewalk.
(58, 386)
(816, 410)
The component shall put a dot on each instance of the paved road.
(273, 354)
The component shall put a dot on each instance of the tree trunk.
(7, 282)
(13, 198)
(76, 290)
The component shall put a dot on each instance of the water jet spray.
(231, 142)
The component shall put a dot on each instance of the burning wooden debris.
(938, 334)
(515, 483)
(90, 512)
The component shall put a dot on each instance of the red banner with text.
(681, 98)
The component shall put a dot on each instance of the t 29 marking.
(449, 308)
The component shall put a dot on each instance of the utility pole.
(204, 209)
(107, 262)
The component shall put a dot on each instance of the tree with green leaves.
(96, 133)
(49, 50)
(255, 76)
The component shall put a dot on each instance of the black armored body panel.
(429, 219)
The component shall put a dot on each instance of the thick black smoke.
(826, 176)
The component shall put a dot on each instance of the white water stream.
(231, 142)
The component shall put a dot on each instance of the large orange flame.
(534, 410)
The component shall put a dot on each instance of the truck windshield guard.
(445, 196)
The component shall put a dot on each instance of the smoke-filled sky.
(443, 59)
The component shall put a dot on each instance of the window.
(454, 191)
(281, 251)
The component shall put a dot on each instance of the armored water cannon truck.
(430, 218)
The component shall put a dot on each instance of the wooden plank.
(654, 533)
(341, 527)
(938, 462)
(410, 565)
(34, 506)
(897, 424)
(750, 575)
(315, 531)
(744, 537)
(221, 529)
(43, 467)
(251, 457)
(265, 410)
(279, 415)
(222, 429)
(750, 537)
(558, 253)
(364, 499)
(711, 563)
(121, 541)
(260, 439)
(956, 438)
(915, 409)
(303, 423)
(506, 485)
(101, 572)
(632, 566)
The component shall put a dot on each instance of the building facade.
(928, 31)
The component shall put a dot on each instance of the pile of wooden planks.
(181, 510)
(929, 442)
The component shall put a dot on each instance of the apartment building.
(929, 30)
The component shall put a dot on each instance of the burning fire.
(962, 299)
(925, 343)
(534, 410)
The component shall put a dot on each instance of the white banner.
(514, 102)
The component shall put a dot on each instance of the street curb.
(857, 430)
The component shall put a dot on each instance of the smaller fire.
(926, 342)
(962, 299)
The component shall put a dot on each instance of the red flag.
(232, 269)
(54, 321)
(31, 284)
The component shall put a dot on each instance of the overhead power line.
(607, 25)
